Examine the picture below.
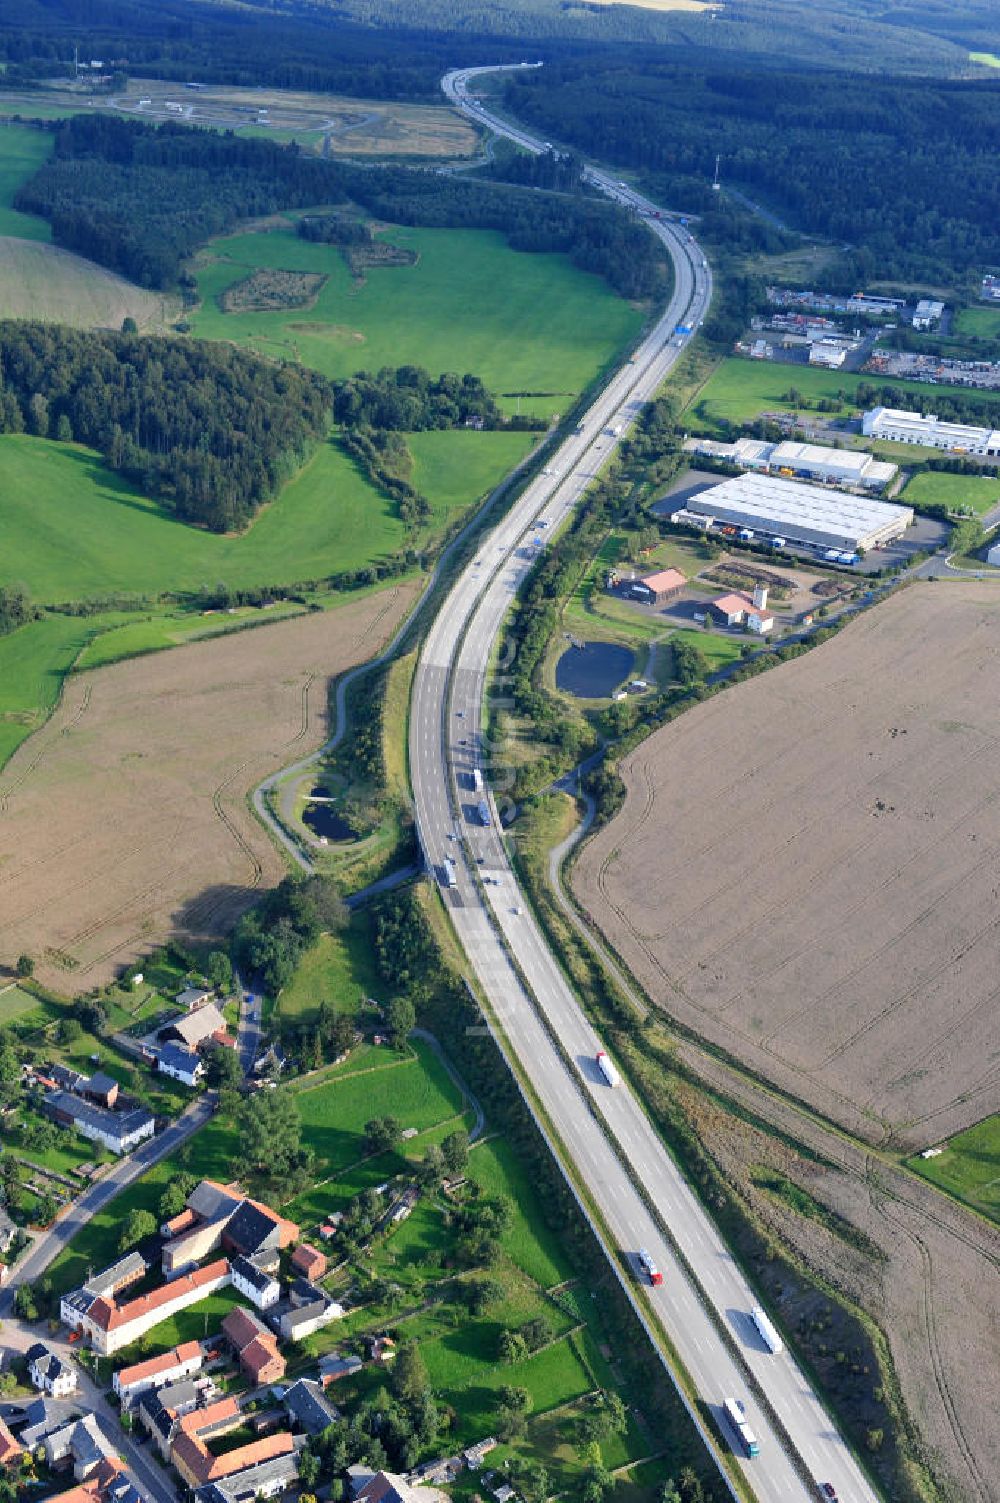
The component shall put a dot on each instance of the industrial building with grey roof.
(801, 513)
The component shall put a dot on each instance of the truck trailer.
(649, 1268)
(736, 1415)
(450, 873)
(766, 1331)
(477, 780)
(607, 1068)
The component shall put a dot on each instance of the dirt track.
(807, 868)
(124, 820)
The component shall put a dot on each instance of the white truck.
(766, 1331)
(477, 780)
(450, 872)
(608, 1068)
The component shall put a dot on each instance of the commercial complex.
(808, 461)
(929, 432)
(797, 513)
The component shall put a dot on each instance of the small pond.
(319, 791)
(324, 820)
(594, 670)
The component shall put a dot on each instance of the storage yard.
(798, 513)
(804, 871)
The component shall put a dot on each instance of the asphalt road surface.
(704, 1301)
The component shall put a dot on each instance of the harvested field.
(42, 281)
(807, 868)
(124, 821)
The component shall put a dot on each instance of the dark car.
(827, 1490)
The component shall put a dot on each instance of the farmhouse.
(196, 1028)
(799, 513)
(160, 1409)
(306, 1310)
(120, 1275)
(309, 1261)
(82, 1440)
(42, 1416)
(49, 1373)
(255, 1346)
(307, 1408)
(222, 1216)
(180, 1063)
(111, 1326)
(656, 589)
(259, 1287)
(195, 1462)
(119, 1131)
(157, 1372)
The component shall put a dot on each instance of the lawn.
(70, 528)
(172, 628)
(934, 488)
(465, 1373)
(969, 1167)
(14, 1003)
(22, 152)
(529, 1242)
(983, 321)
(418, 1091)
(338, 968)
(523, 322)
(740, 389)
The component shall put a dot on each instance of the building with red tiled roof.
(156, 1372)
(223, 1216)
(195, 1462)
(111, 1326)
(108, 1483)
(655, 589)
(255, 1346)
(10, 1451)
(309, 1261)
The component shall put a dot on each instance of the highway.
(596, 1125)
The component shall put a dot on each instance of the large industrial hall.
(800, 513)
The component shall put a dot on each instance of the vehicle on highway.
(607, 1068)
(737, 1416)
(477, 779)
(449, 873)
(766, 1331)
(827, 1490)
(483, 810)
(649, 1268)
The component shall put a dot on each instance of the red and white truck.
(607, 1068)
(649, 1268)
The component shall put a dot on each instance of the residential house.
(161, 1409)
(222, 1216)
(42, 1416)
(102, 1089)
(108, 1483)
(474, 1456)
(309, 1261)
(82, 1441)
(255, 1346)
(259, 1287)
(10, 1451)
(389, 1487)
(181, 1063)
(307, 1408)
(120, 1131)
(194, 1461)
(195, 1028)
(8, 1231)
(306, 1310)
(128, 1270)
(266, 1479)
(157, 1372)
(49, 1373)
(111, 1326)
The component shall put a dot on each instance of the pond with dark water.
(594, 670)
(324, 820)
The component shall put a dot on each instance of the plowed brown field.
(807, 868)
(124, 820)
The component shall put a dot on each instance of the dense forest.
(210, 430)
(893, 168)
(140, 198)
(410, 400)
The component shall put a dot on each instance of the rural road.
(704, 1301)
(46, 1248)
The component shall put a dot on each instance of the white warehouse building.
(913, 428)
(800, 513)
(804, 461)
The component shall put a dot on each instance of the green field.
(978, 493)
(22, 152)
(524, 323)
(741, 389)
(14, 1003)
(969, 1167)
(339, 968)
(70, 528)
(529, 1243)
(984, 322)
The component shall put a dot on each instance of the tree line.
(140, 199)
(890, 167)
(209, 429)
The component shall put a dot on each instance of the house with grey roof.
(307, 1408)
(120, 1131)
